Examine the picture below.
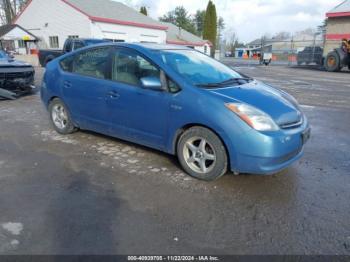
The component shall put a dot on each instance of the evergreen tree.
(180, 18)
(143, 10)
(199, 22)
(210, 26)
(221, 27)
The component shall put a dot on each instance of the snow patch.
(52, 135)
(14, 242)
(13, 228)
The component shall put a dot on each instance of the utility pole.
(262, 50)
(291, 50)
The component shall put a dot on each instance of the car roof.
(92, 40)
(148, 46)
(141, 47)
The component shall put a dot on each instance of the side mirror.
(151, 82)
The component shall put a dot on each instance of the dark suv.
(310, 55)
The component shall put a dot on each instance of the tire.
(202, 154)
(332, 62)
(60, 117)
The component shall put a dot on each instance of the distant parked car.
(266, 58)
(310, 55)
(180, 101)
(16, 77)
(71, 44)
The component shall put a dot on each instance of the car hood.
(12, 63)
(276, 103)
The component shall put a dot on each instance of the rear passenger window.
(92, 63)
(129, 67)
(66, 64)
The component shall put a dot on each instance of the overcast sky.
(251, 18)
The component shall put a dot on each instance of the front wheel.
(60, 117)
(202, 154)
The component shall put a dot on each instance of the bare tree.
(282, 35)
(9, 9)
(231, 41)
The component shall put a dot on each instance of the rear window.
(78, 45)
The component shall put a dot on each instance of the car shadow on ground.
(227, 180)
(280, 188)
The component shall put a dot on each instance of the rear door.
(86, 88)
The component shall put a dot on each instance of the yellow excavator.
(339, 57)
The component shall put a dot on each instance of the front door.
(138, 114)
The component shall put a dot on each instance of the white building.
(53, 21)
(178, 36)
(16, 39)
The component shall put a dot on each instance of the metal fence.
(290, 51)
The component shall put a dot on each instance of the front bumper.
(17, 81)
(270, 152)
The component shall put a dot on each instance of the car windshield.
(200, 69)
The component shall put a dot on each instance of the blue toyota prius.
(179, 101)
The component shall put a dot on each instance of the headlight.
(254, 117)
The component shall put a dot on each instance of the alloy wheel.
(59, 116)
(199, 155)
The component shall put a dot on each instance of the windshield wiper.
(208, 85)
(238, 80)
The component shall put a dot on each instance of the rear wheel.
(332, 63)
(60, 117)
(202, 154)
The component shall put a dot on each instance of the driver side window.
(129, 67)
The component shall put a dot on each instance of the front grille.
(14, 75)
(292, 124)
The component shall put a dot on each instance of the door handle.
(113, 94)
(67, 84)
